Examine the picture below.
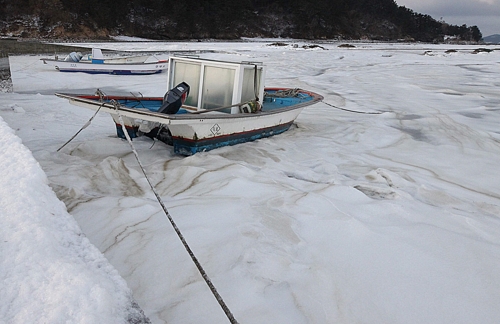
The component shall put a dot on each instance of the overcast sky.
(482, 13)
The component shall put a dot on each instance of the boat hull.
(192, 133)
(207, 134)
(108, 68)
(186, 146)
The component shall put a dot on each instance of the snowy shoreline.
(49, 266)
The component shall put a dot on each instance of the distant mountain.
(382, 20)
(492, 39)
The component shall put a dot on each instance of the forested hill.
(225, 19)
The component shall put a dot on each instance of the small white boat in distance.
(95, 63)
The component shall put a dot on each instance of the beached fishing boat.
(95, 63)
(212, 104)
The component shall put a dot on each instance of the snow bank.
(50, 271)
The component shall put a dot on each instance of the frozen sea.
(384, 211)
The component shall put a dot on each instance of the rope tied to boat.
(296, 91)
(101, 95)
(82, 128)
(354, 111)
(217, 296)
(155, 138)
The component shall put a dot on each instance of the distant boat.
(214, 104)
(95, 63)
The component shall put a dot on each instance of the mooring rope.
(83, 127)
(354, 111)
(155, 138)
(139, 102)
(223, 305)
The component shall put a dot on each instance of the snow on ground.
(347, 217)
(50, 271)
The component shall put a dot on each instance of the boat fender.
(250, 107)
(174, 99)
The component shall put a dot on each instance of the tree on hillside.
(313, 19)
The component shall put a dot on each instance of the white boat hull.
(193, 133)
(108, 67)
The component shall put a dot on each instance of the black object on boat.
(174, 98)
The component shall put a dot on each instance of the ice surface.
(345, 218)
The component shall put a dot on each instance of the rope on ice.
(82, 128)
(223, 305)
(354, 111)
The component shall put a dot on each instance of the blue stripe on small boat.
(115, 72)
